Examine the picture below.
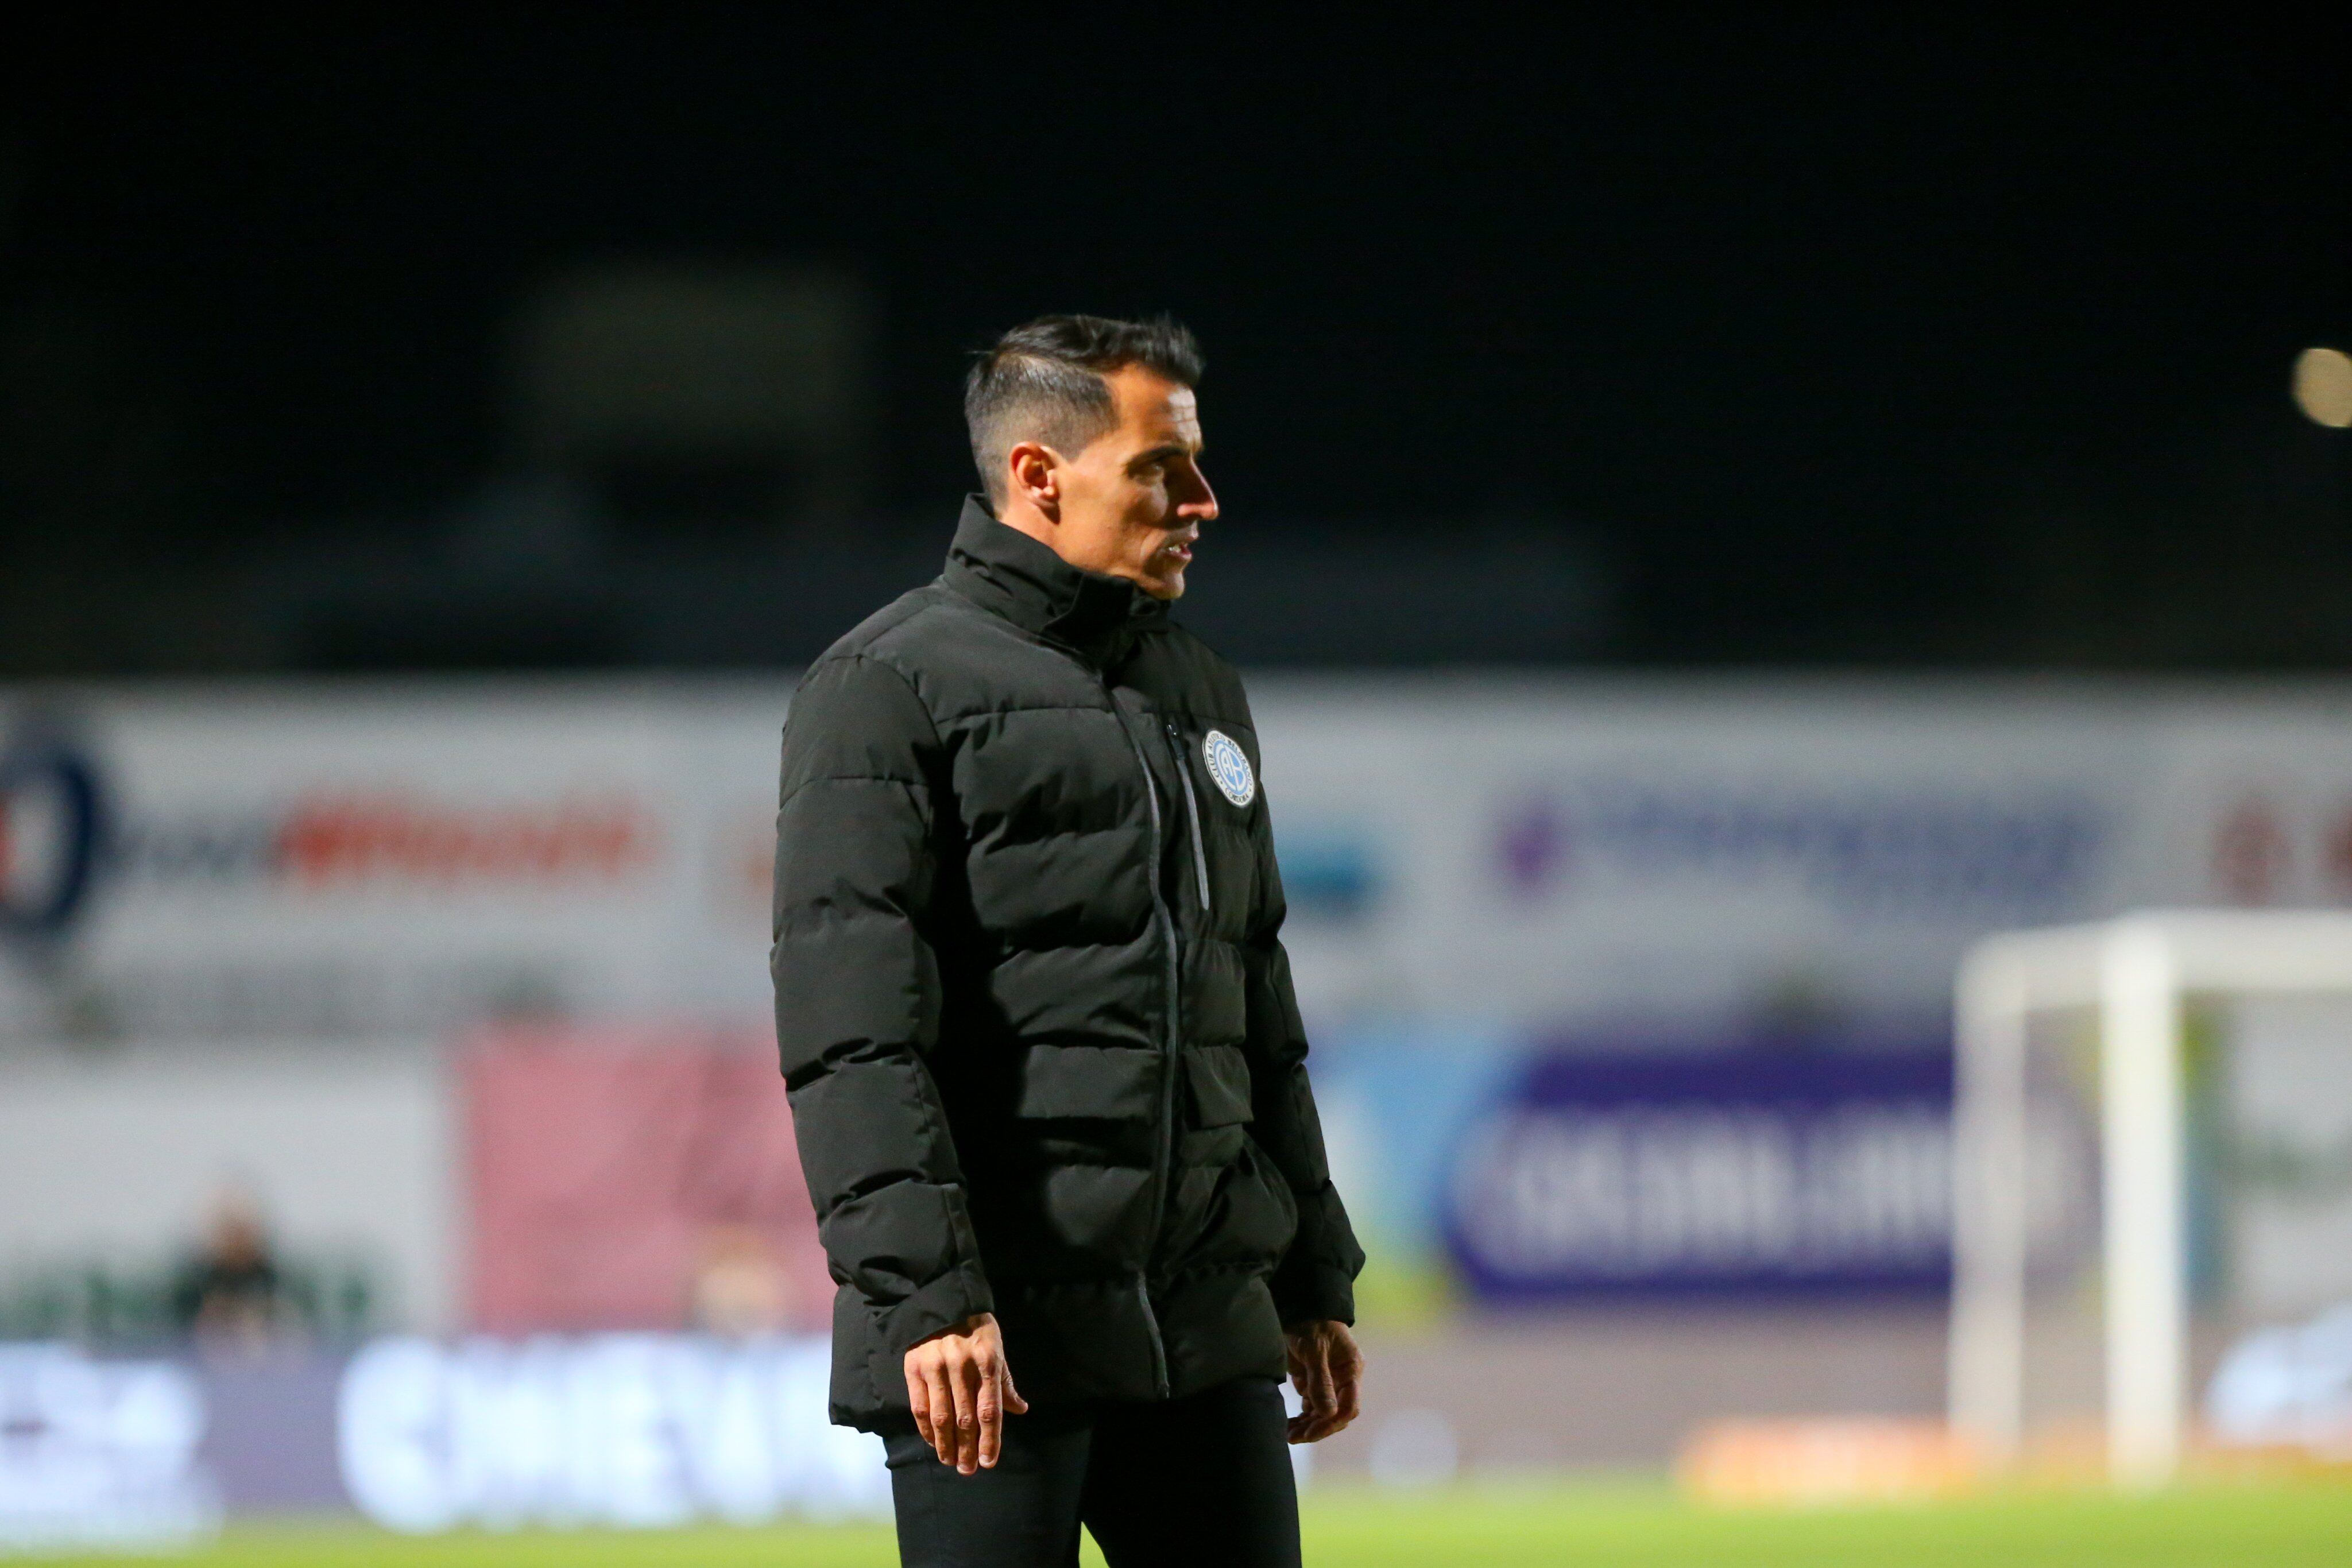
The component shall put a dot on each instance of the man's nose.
(1200, 504)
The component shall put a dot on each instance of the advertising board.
(387, 860)
(147, 1453)
(1707, 1174)
(101, 1453)
(1719, 858)
(325, 863)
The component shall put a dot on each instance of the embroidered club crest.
(1229, 767)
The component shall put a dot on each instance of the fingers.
(960, 1390)
(918, 1400)
(1327, 1369)
(997, 1398)
(1299, 1350)
(943, 1421)
(992, 1408)
(963, 1386)
(1312, 1377)
(1321, 1402)
(1348, 1380)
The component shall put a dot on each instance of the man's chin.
(1162, 585)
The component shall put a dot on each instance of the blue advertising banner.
(1717, 1173)
(151, 1452)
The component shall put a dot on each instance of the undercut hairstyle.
(1043, 382)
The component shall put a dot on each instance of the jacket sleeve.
(1316, 1277)
(857, 998)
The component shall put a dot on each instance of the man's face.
(1132, 503)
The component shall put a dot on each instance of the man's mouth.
(1177, 551)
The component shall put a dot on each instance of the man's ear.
(1032, 474)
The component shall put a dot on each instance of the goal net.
(2153, 1187)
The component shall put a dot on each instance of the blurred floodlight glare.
(2323, 386)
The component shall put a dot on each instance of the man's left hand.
(1327, 1369)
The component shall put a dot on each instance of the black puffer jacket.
(1039, 1034)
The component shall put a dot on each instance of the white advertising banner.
(381, 862)
(1693, 856)
(330, 861)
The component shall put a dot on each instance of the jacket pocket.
(1219, 1079)
(1088, 1081)
(1261, 1214)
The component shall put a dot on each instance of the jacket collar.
(1005, 571)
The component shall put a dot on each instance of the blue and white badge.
(1229, 766)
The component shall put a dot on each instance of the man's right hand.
(960, 1389)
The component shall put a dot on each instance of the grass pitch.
(2275, 1526)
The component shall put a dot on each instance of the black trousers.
(1203, 1479)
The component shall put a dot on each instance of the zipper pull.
(1191, 810)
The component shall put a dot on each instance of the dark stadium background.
(1833, 339)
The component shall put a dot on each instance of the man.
(1047, 1071)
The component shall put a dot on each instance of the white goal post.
(2136, 970)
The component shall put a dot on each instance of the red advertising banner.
(635, 1180)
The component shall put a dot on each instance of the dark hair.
(1043, 382)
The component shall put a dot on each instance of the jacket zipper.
(1165, 1163)
(1192, 810)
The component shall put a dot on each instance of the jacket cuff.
(1313, 1290)
(961, 1292)
(1324, 1296)
(1316, 1280)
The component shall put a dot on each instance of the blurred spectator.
(230, 1295)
